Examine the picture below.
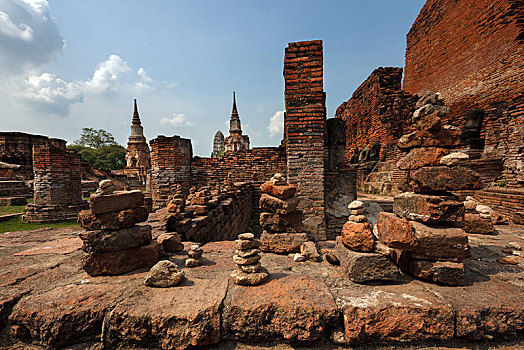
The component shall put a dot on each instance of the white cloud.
(49, 93)
(143, 75)
(177, 120)
(106, 76)
(276, 124)
(29, 36)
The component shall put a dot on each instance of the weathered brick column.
(170, 165)
(305, 130)
(57, 185)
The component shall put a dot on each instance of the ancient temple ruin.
(236, 141)
(138, 157)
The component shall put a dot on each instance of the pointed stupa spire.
(136, 117)
(234, 112)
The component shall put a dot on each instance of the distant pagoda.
(235, 142)
(138, 156)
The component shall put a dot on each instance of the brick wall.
(170, 165)
(506, 201)
(305, 129)
(377, 111)
(17, 148)
(475, 62)
(226, 221)
(57, 185)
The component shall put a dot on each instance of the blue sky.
(69, 64)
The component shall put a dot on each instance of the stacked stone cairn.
(250, 272)
(194, 256)
(478, 218)
(361, 258)
(424, 232)
(171, 241)
(113, 243)
(279, 217)
(200, 201)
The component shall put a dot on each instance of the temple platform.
(46, 300)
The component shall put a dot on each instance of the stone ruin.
(112, 241)
(247, 258)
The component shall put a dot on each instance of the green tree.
(99, 148)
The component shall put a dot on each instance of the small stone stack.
(113, 243)
(250, 272)
(356, 250)
(194, 256)
(423, 235)
(177, 202)
(280, 220)
(477, 218)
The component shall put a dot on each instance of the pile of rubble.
(280, 220)
(361, 257)
(112, 242)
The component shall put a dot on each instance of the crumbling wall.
(378, 111)
(170, 165)
(305, 130)
(57, 185)
(17, 148)
(474, 62)
(229, 215)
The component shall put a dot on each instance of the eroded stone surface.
(428, 208)
(358, 236)
(100, 204)
(442, 178)
(279, 191)
(114, 220)
(421, 157)
(278, 206)
(440, 243)
(396, 232)
(282, 242)
(114, 241)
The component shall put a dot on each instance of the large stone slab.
(473, 223)
(117, 201)
(114, 241)
(116, 263)
(180, 317)
(282, 223)
(365, 267)
(279, 191)
(291, 308)
(279, 206)
(115, 220)
(394, 313)
(428, 208)
(441, 178)
(421, 157)
(444, 272)
(282, 242)
(440, 243)
(396, 232)
(64, 315)
(446, 137)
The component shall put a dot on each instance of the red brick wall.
(470, 51)
(170, 165)
(305, 128)
(377, 111)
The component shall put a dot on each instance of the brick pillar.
(170, 165)
(305, 128)
(57, 185)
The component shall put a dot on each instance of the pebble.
(356, 205)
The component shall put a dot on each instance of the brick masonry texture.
(57, 185)
(477, 62)
(378, 111)
(305, 129)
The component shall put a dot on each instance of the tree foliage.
(99, 148)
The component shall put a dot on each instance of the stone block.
(454, 159)
(444, 272)
(421, 157)
(396, 232)
(279, 206)
(282, 242)
(282, 223)
(114, 241)
(358, 236)
(309, 251)
(116, 263)
(362, 267)
(171, 242)
(440, 243)
(473, 223)
(428, 208)
(442, 178)
(117, 201)
(114, 220)
(279, 191)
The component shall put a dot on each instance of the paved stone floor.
(52, 303)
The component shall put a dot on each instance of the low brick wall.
(506, 201)
(225, 222)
